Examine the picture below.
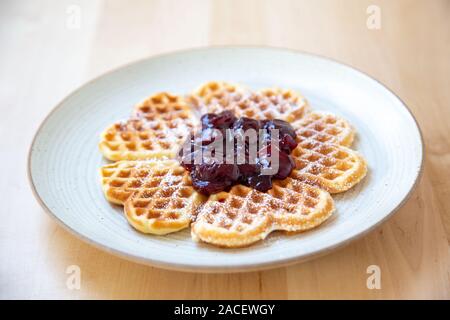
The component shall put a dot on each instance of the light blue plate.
(64, 158)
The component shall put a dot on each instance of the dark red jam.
(212, 171)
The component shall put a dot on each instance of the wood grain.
(42, 61)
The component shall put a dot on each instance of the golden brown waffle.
(273, 103)
(158, 128)
(325, 128)
(332, 167)
(215, 96)
(121, 179)
(244, 215)
(162, 105)
(157, 195)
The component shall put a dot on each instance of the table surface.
(44, 56)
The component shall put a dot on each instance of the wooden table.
(44, 56)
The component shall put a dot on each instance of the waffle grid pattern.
(157, 195)
(156, 129)
(271, 103)
(243, 215)
(324, 128)
(331, 167)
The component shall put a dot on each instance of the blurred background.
(49, 48)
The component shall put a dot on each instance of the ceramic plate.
(64, 158)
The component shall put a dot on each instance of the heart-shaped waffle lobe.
(156, 129)
(322, 158)
(121, 179)
(274, 103)
(158, 196)
(244, 215)
(324, 128)
(215, 96)
(331, 167)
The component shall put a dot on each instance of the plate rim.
(220, 269)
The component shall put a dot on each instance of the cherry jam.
(212, 171)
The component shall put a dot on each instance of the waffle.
(216, 96)
(324, 127)
(332, 167)
(273, 103)
(162, 105)
(158, 198)
(244, 215)
(157, 195)
(123, 178)
(157, 129)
